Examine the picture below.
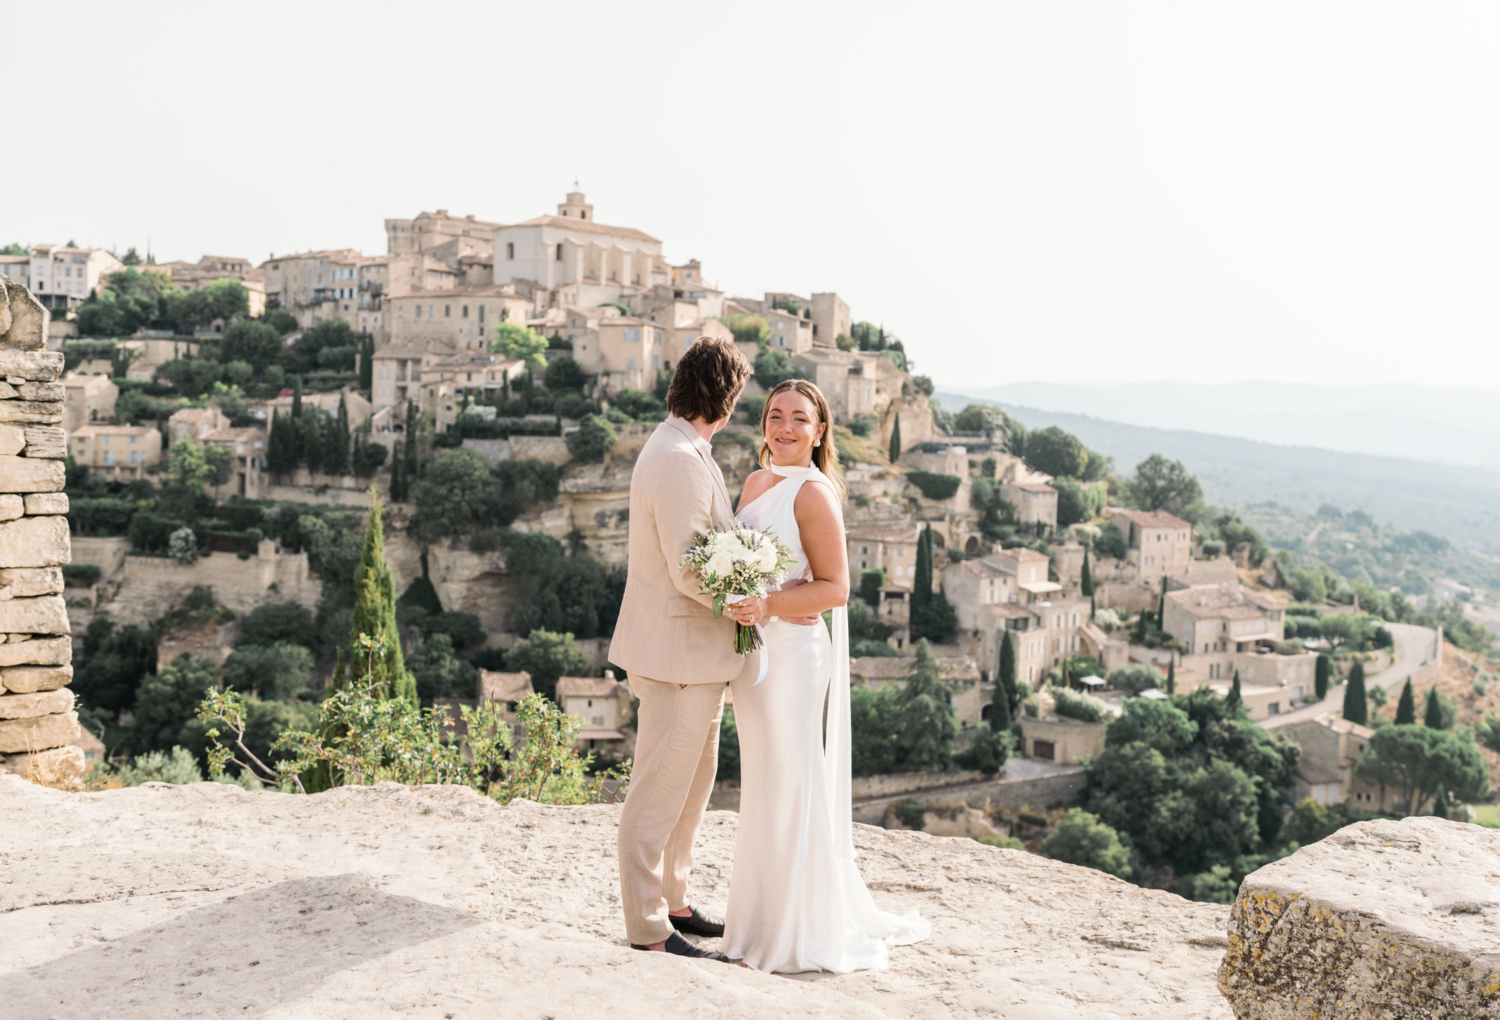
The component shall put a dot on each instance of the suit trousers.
(676, 755)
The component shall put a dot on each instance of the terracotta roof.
(906, 531)
(1152, 519)
(1222, 600)
(408, 350)
(1022, 554)
(195, 414)
(588, 227)
(587, 687)
(229, 435)
(504, 686)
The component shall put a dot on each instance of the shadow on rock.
(241, 957)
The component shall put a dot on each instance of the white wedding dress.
(796, 901)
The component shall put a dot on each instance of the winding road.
(1414, 646)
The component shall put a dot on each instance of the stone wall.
(38, 726)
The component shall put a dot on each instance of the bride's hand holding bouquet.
(735, 563)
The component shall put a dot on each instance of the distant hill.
(1452, 425)
(1460, 504)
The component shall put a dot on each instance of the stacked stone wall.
(38, 726)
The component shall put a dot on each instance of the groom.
(678, 656)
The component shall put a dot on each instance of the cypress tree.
(926, 728)
(367, 365)
(336, 452)
(280, 445)
(896, 439)
(314, 441)
(1000, 717)
(1171, 676)
(1433, 717)
(296, 396)
(1321, 674)
(1086, 583)
(375, 617)
(298, 452)
(1406, 708)
(1440, 804)
(413, 424)
(921, 589)
(1007, 680)
(398, 476)
(1234, 700)
(1161, 606)
(1355, 707)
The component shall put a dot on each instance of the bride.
(796, 901)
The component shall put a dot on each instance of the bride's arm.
(821, 523)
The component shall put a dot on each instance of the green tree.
(336, 455)
(926, 726)
(269, 671)
(317, 438)
(873, 717)
(398, 477)
(1322, 673)
(546, 655)
(981, 418)
(331, 344)
(1235, 700)
(1440, 713)
(895, 451)
(222, 299)
(1308, 585)
(130, 300)
(1356, 708)
(1171, 676)
(870, 582)
(592, 440)
(773, 366)
(166, 706)
(1081, 838)
(1134, 678)
(564, 374)
(114, 662)
(1161, 725)
(1006, 675)
(281, 445)
(1311, 821)
(749, 329)
(1162, 484)
(921, 589)
(1406, 708)
(374, 619)
(191, 469)
(1421, 761)
(521, 343)
(1055, 452)
(367, 365)
(1342, 628)
(277, 623)
(455, 495)
(440, 674)
(1086, 582)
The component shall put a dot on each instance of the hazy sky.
(1087, 192)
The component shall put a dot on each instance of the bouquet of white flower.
(737, 563)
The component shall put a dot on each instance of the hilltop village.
(228, 425)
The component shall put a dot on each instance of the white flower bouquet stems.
(735, 563)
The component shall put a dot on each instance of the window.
(447, 311)
(510, 250)
(109, 455)
(632, 334)
(630, 364)
(419, 311)
(135, 440)
(558, 256)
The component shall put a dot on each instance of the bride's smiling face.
(792, 426)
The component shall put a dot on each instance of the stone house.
(315, 285)
(195, 423)
(1059, 739)
(1043, 634)
(1221, 618)
(61, 277)
(830, 319)
(847, 379)
(87, 400)
(248, 448)
(1331, 750)
(972, 694)
(603, 703)
(631, 352)
(792, 332)
(888, 547)
(460, 318)
(1032, 502)
(211, 268)
(506, 691)
(1156, 543)
(119, 452)
(438, 233)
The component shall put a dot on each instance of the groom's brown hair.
(708, 380)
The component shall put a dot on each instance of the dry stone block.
(11, 507)
(31, 679)
(9, 392)
(46, 442)
(38, 503)
(25, 582)
(35, 652)
(30, 366)
(1389, 919)
(26, 706)
(34, 542)
(46, 614)
(38, 733)
(53, 766)
(30, 412)
(29, 474)
(12, 440)
(52, 391)
(23, 319)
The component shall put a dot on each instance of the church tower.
(575, 207)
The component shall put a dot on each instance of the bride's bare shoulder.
(758, 482)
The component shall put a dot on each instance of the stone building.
(603, 706)
(195, 423)
(61, 277)
(460, 318)
(247, 447)
(121, 453)
(583, 261)
(1156, 543)
(830, 319)
(1331, 750)
(210, 268)
(1033, 502)
(87, 399)
(38, 726)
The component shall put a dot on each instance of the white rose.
(765, 558)
(719, 564)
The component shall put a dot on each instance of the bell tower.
(575, 207)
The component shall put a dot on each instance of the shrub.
(933, 485)
(487, 540)
(591, 441)
(862, 425)
(177, 767)
(1003, 842)
(81, 575)
(1081, 838)
(1135, 678)
(1072, 705)
(1213, 549)
(1110, 543)
(911, 813)
(108, 516)
(182, 545)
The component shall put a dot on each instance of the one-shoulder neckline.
(790, 474)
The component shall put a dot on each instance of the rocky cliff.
(207, 901)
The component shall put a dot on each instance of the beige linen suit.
(679, 659)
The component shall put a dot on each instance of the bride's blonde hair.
(825, 456)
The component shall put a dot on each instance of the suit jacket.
(666, 629)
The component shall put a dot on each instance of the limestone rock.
(53, 766)
(38, 733)
(11, 507)
(23, 319)
(30, 679)
(12, 440)
(30, 412)
(30, 366)
(36, 652)
(46, 442)
(1392, 919)
(418, 902)
(34, 542)
(52, 391)
(29, 474)
(25, 582)
(25, 706)
(47, 503)
(46, 614)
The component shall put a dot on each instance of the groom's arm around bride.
(679, 657)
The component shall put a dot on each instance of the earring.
(817, 442)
